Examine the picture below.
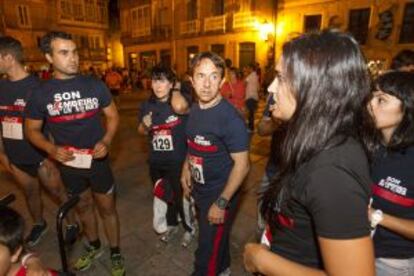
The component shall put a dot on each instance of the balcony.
(141, 31)
(244, 20)
(215, 24)
(190, 27)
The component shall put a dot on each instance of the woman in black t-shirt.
(163, 118)
(391, 133)
(316, 207)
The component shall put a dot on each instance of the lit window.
(407, 28)
(23, 15)
(359, 23)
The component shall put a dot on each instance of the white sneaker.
(226, 272)
(187, 239)
(170, 234)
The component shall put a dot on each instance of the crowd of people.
(337, 196)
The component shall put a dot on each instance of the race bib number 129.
(162, 140)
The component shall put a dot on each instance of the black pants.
(251, 105)
(213, 253)
(171, 173)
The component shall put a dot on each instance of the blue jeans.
(394, 267)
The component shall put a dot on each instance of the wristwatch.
(222, 203)
(376, 217)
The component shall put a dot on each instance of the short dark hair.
(46, 40)
(11, 229)
(161, 71)
(402, 59)
(216, 59)
(13, 47)
(400, 85)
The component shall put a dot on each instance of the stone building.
(383, 28)
(86, 20)
(246, 31)
(172, 31)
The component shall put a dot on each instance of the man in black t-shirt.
(217, 163)
(26, 163)
(71, 105)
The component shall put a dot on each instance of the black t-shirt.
(167, 135)
(71, 109)
(212, 134)
(14, 96)
(393, 193)
(330, 200)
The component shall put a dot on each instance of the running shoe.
(187, 238)
(36, 234)
(72, 233)
(170, 234)
(85, 261)
(118, 268)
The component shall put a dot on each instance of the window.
(191, 52)
(246, 5)
(23, 15)
(84, 42)
(218, 7)
(358, 24)
(164, 15)
(124, 21)
(78, 10)
(312, 23)
(101, 11)
(247, 54)
(141, 21)
(192, 10)
(218, 49)
(90, 10)
(165, 56)
(407, 28)
(65, 9)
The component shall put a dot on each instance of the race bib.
(196, 167)
(162, 140)
(83, 158)
(12, 127)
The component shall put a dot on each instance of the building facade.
(86, 20)
(246, 31)
(383, 28)
(172, 31)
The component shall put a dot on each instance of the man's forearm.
(39, 140)
(111, 128)
(237, 175)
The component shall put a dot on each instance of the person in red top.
(12, 260)
(234, 89)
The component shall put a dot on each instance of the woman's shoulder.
(344, 150)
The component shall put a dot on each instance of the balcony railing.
(190, 27)
(141, 31)
(215, 23)
(244, 20)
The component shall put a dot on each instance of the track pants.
(213, 253)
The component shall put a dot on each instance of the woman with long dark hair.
(391, 132)
(316, 206)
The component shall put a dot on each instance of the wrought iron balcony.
(244, 20)
(190, 27)
(215, 23)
